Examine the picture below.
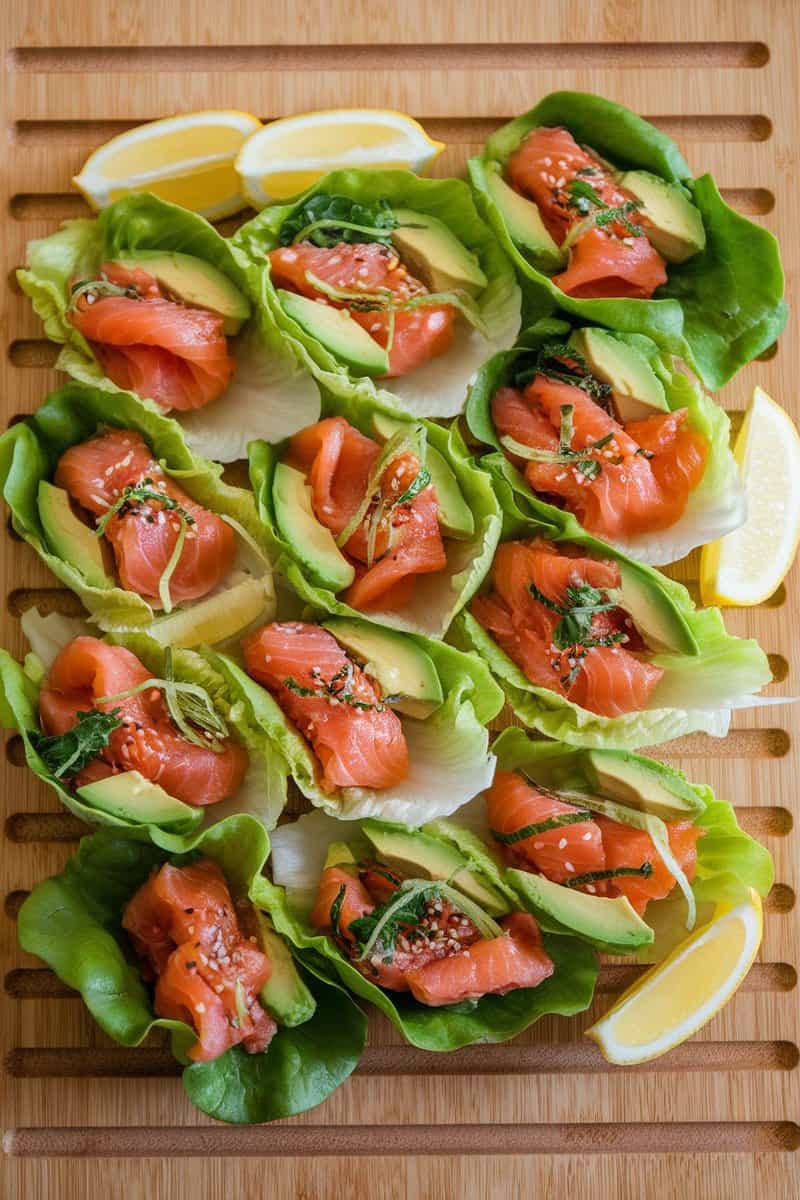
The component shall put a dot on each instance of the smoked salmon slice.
(338, 462)
(534, 587)
(439, 957)
(420, 334)
(148, 741)
(615, 260)
(539, 832)
(143, 534)
(358, 741)
(185, 928)
(152, 345)
(641, 475)
(490, 966)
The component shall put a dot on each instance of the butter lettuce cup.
(183, 942)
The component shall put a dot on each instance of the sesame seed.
(562, 843)
(569, 867)
(587, 837)
(538, 845)
(591, 888)
(200, 1008)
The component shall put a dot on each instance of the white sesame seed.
(538, 845)
(569, 867)
(200, 1008)
(562, 843)
(591, 888)
(587, 837)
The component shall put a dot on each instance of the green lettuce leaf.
(73, 922)
(437, 597)
(716, 506)
(437, 389)
(729, 861)
(29, 452)
(270, 395)
(262, 792)
(719, 309)
(298, 856)
(700, 687)
(448, 751)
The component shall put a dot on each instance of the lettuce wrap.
(29, 453)
(717, 505)
(729, 861)
(437, 596)
(439, 387)
(299, 852)
(448, 749)
(269, 396)
(707, 672)
(719, 309)
(262, 793)
(73, 922)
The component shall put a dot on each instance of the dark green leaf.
(329, 220)
(68, 753)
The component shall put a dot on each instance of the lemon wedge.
(188, 160)
(287, 156)
(746, 566)
(677, 997)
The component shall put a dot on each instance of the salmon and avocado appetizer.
(390, 285)
(184, 942)
(131, 734)
(149, 300)
(602, 219)
(426, 931)
(615, 848)
(369, 721)
(146, 533)
(379, 517)
(598, 650)
(605, 427)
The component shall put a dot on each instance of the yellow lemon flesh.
(287, 156)
(677, 997)
(745, 567)
(188, 160)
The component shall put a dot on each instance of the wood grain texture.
(544, 1116)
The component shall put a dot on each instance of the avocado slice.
(400, 666)
(639, 783)
(638, 392)
(284, 995)
(68, 537)
(456, 518)
(133, 798)
(425, 857)
(310, 540)
(339, 854)
(525, 225)
(675, 226)
(613, 922)
(338, 332)
(434, 254)
(661, 624)
(195, 282)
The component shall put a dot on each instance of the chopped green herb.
(66, 754)
(328, 220)
(519, 835)
(336, 909)
(644, 871)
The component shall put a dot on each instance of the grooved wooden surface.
(545, 1116)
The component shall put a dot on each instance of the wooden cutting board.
(718, 1117)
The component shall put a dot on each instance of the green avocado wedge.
(720, 308)
(73, 922)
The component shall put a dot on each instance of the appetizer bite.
(604, 426)
(149, 299)
(135, 735)
(185, 944)
(371, 722)
(378, 516)
(422, 930)
(379, 275)
(594, 648)
(602, 218)
(617, 849)
(143, 531)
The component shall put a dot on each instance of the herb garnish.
(98, 289)
(574, 630)
(520, 835)
(562, 363)
(327, 220)
(188, 705)
(644, 871)
(66, 754)
(336, 909)
(337, 689)
(589, 467)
